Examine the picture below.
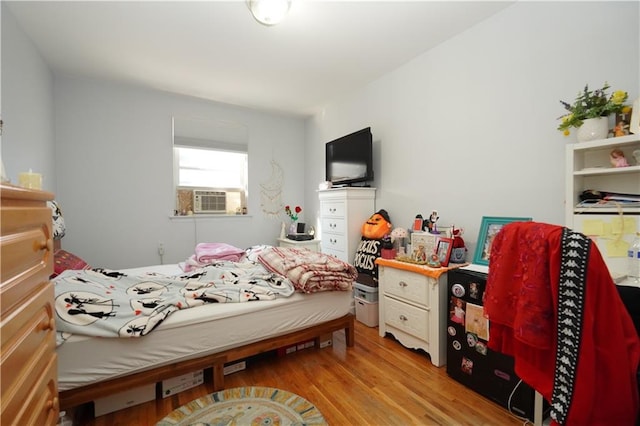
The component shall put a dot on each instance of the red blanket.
(309, 271)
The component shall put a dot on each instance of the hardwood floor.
(377, 382)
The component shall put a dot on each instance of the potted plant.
(590, 111)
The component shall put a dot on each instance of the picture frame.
(443, 250)
(489, 228)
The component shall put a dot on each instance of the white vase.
(592, 129)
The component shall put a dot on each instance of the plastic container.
(633, 257)
(367, 312)
(365, 292)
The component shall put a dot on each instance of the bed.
(201, 337)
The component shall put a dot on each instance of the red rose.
(298, 209)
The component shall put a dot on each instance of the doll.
(617, 158)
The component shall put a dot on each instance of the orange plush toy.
(377, 226)
(370, 248)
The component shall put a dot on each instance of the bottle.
(633, 257)
(65, 419)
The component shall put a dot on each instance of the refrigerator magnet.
(457, 290)
(472, 339)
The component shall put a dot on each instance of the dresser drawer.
(407, 318)
(28, 340)
(333, 242)
(332, 209)
(26, 258)
(409, 286)
(333, 225)
(41, 405)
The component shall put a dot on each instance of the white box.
(180, 383)
(367, 312)
(326, 340)
(235, 367)
(124, 399)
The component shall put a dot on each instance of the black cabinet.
(469, 360)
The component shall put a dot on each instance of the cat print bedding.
(105, 303)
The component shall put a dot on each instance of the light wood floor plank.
(377, 382)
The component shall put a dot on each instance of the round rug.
(255, 406)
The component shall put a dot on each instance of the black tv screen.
(349, 159)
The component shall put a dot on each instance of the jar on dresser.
(342, 213)
(413, 306)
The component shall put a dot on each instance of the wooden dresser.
(28, 369)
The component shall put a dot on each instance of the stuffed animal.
(370, 248)
(458, 251)
(377, 226)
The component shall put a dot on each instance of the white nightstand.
(313, 245)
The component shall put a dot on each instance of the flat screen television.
(349, 159)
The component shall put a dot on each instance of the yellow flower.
(626, 109)
(566, 132)
(618, 97)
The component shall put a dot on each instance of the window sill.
(208, 216)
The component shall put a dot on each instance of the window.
(210, 166)
(210, 180)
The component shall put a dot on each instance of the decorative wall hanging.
(271, 193)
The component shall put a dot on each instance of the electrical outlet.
(161, 249)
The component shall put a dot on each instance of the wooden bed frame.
(74, 397)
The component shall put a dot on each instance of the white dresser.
(413, 307)
(313, 245)
(342, 213)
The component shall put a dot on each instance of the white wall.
(469, 128)
(27, 106)
(114, 157)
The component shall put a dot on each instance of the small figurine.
(617, 158)
(636, 155)
(433, 261)
(621, 129)
(432, 222)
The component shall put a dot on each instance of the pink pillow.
(63, 260)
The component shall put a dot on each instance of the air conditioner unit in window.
(206, 201)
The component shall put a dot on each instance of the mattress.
(193, 333)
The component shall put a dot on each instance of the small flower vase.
(398, 245)
(593, 129)
(293, 228)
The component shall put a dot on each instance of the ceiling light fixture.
(269, 12)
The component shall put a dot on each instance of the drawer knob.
(53, 404)
(402, 284)
(46, 245)
(403, 318)
(48, 324)
(332, 225)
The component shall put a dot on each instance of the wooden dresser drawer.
(408, 286)
(41, 405)
(28, 340)
(26, 258)
(410, 319)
